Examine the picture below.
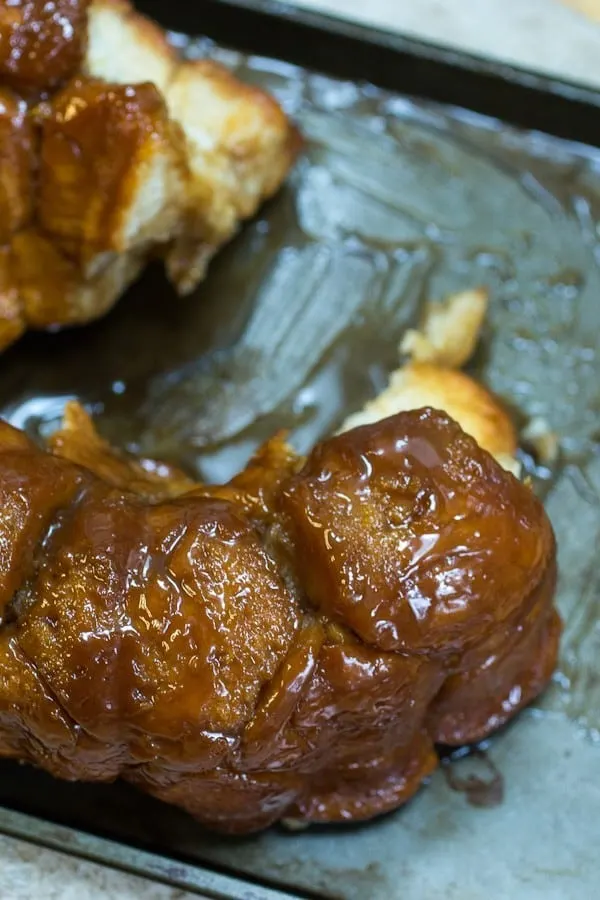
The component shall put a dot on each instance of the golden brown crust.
(110, 182)
(78, 441)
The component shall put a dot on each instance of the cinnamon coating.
(291, 644)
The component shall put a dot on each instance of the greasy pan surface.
(296, 327)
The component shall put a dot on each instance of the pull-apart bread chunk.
(240, 145)
(292, 644)
(110, 186)
(114, 150)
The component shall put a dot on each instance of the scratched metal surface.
(296, 326)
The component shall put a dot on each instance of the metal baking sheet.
(396, 199)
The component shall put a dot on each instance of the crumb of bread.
(510, 463)
(544, 442)
(295, 824)
(449, 330)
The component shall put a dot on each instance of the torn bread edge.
(240, 145)
(446, 339)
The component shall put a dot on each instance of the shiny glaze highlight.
(292, 644)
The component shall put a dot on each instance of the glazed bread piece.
(116, 151)
(16, 205)
(240, 145)
(292, 644)
(110, 183)
(111, 171)
(41, 43)
(89, 181)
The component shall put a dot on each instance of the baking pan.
(425, 171)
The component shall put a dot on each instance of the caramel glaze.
(111, 156)
(71, 149)
(290, 645)
(42, 42)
